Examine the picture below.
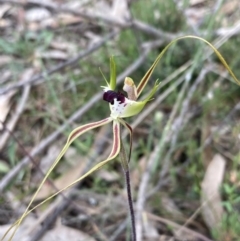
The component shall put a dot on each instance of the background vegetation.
(185, 161)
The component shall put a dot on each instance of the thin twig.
(171, 223)
(99, 17)
(119, 230)
(17, 113)
(42, 77)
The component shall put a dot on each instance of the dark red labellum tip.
(110, 95)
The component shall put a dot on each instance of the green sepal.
(113, 78)
(153, 91)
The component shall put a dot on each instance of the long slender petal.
(73, 135)
(146, 77)
(123, 122)
(82, 129)
(115, 151)
(116, 139)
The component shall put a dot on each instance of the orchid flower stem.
(124, 162)
(130, 203)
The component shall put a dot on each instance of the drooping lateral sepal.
(73, 135)
(152, 92)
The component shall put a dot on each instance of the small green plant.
(121, 106)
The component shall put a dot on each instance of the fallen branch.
(41, 77)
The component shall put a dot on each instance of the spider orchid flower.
(121, 106)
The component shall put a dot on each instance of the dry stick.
(13, 121)
(135, 33)
(76, 116)
(98, 17)
(119, 230)
(139, 25)
(170, 223)
(234, 30)
(41, 77)
(18, 110)
(210, 137)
